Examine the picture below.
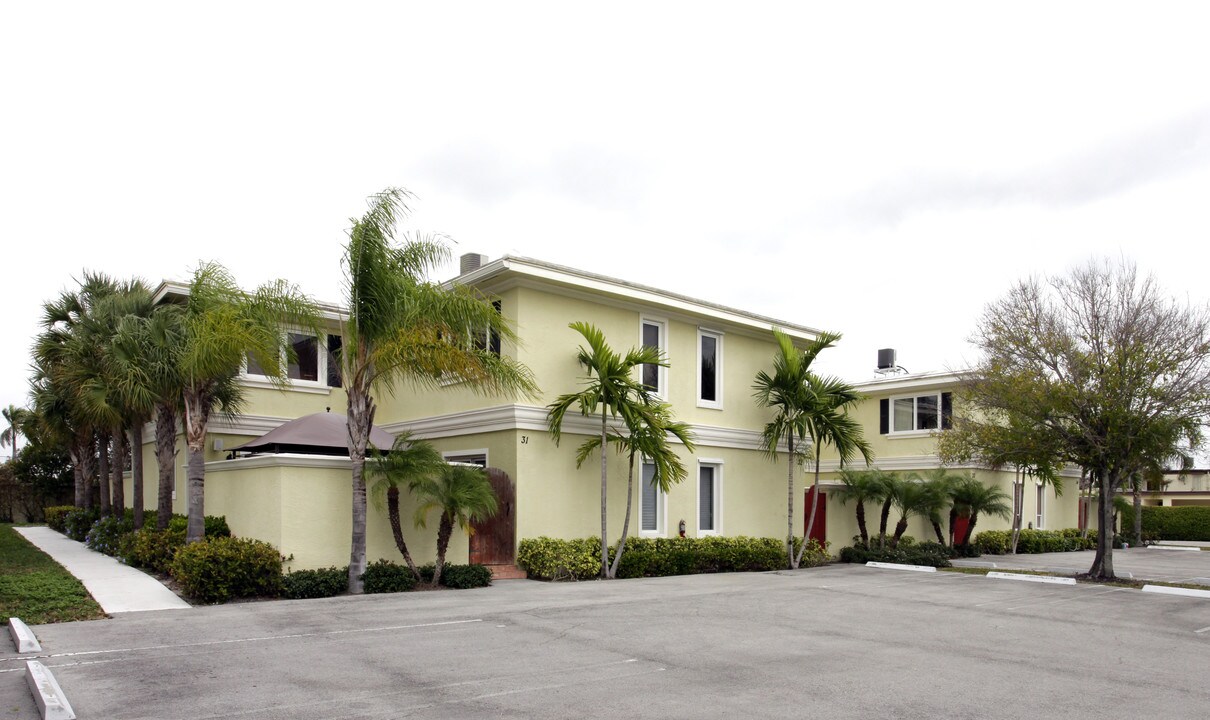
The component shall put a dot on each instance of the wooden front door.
(494, 539)
(819, 531)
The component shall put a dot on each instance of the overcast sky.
(878, 170)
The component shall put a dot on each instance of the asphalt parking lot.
(834, 642)
(1178, 566)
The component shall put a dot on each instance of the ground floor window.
(709, 498)
(1040, 520)
(651, 504)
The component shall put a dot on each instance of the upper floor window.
(710, 369)
(916, 413)
(489, 339)
(652, 336)
(305, 363)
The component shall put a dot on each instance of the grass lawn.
(37, 589)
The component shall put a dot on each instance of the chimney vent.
(472, 262)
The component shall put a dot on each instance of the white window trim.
(487, 458)
(717, 464)
(661, 511)
(1040, 510)
(661, 371)
(318, 386)
(913, 432)
(718, 369)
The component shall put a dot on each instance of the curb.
(1187, 592)
(1174, 547)
(51, 701)
(899, 566)
(23, 637)
(1033, 578)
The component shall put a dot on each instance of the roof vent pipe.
(471, 262)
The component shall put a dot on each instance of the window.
(651, 504)
(916, 413)
(1040, 519)
(709, 498)
(652, 336)
(467, 457)
(305, 363)
(489, 339)
(710, 369)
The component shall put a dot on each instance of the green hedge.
(930, 554)
(79, 521)
(1188, 522)
(553, 559)
(384, 576)
(999, 542)
(326, 582)
(218, 569)
(56, 517)
(106, 534)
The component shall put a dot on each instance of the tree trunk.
(397, 528)
(900, 529)
(1102, 563)
(886, 514)
(790, 502)
(197, 415)
(444, 530)
(360, 420)
(1018, 502)
(77, 473)
(604, 537)
(165, 459)
(115, 469)
(970, 529)
(865, 536)
(617, 556)
(953, 519)
(806, 539)
(136, 473)
(103, 471)
(1138, 515)
(937, 531)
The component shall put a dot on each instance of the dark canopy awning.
(323, 433)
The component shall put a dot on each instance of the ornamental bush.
(106, 534)
(384, 576)
(1189, 522)
(464, 577)
(218, 569)
(326, 582)
(547, 558)
(152, 549)
(56, 517)
(999, 542)
(79, 521)
(931, 554)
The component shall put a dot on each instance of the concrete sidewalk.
(117, 588)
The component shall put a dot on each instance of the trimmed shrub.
(216, 527)
(1187, 522)
(993, 542)
(550, 559)
(465, 577)
(106, 534)
(79, 521)
(384, 576)
(152, 549)
(326, 582)
(547, 558)
(56, 517)
(218, 569)
(999, 542)
(926, 553)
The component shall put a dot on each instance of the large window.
(1040, 516)
(709, 498)
(916, 413)
(710, 369)
(652, 336)
(651, 504)
(305, 363)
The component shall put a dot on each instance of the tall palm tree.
(828, 423)
(222, 326)
(973, 498)
(461, 493)
(913, 498)
(14, 417)
(939, 487)
(861, 486)
(407, 460)
(785, 391)
(611, 388)
(402, 327)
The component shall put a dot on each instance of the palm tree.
(939, 487)
(222, 326)
(828, 423)
(913, 498)
(785, 390)
(14, 417)
(463, 495)
(610, 388)
(406, 461)
(973, 498)
(402, 327)
(893, 492)
(862, 486)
